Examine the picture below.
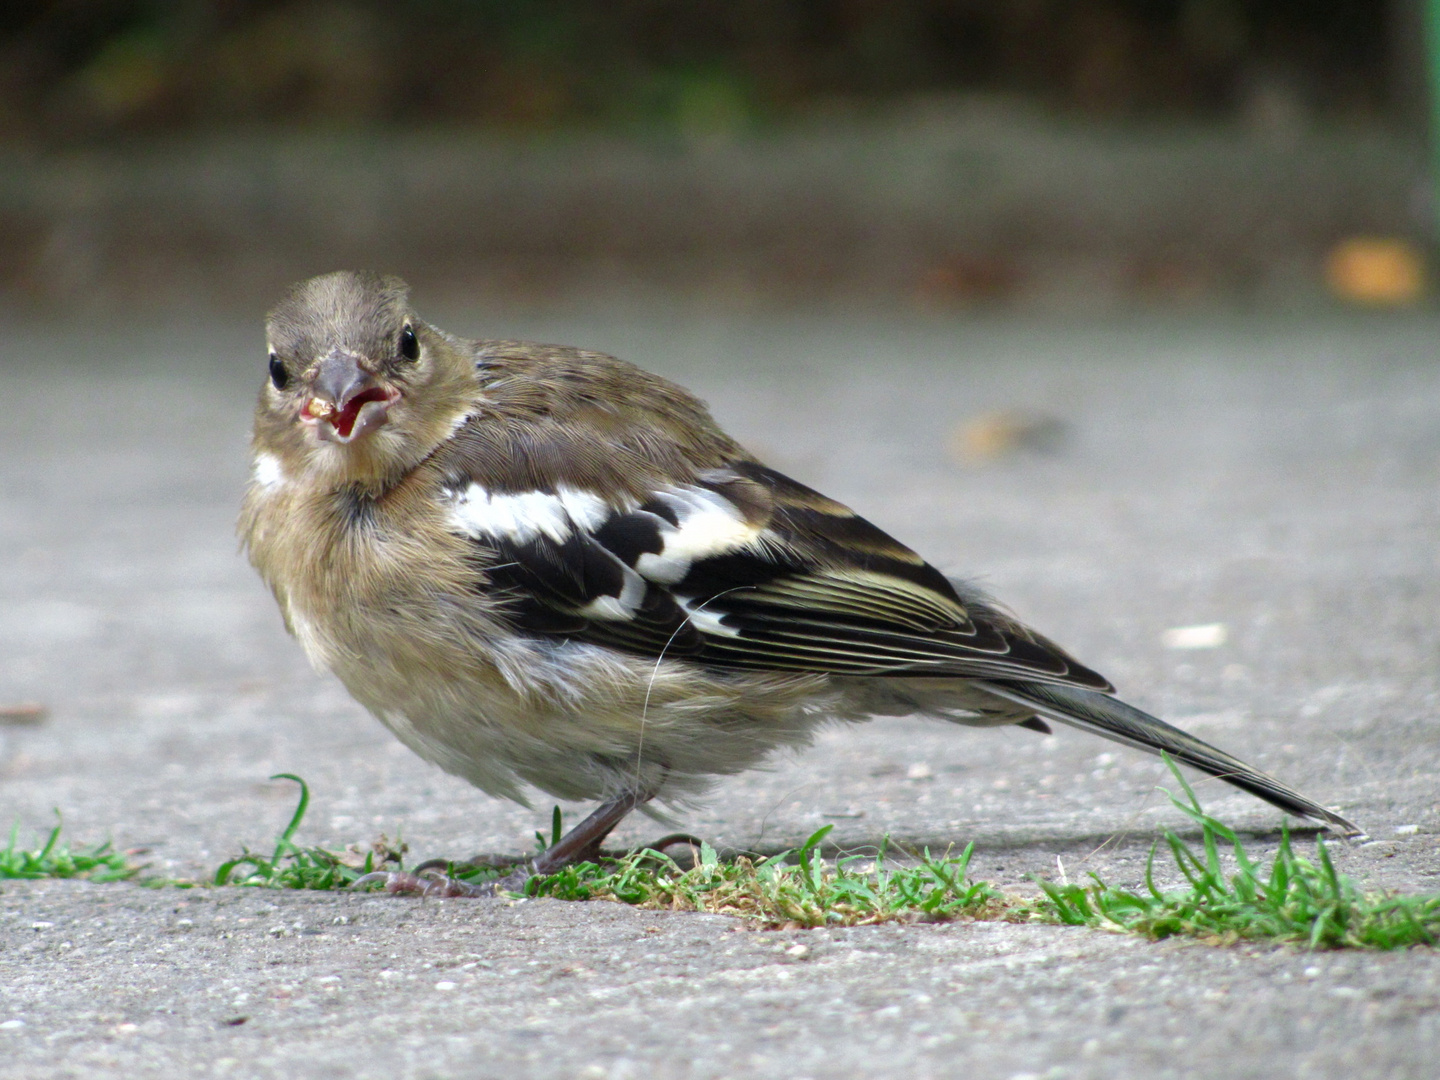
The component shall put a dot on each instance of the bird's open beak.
(347, 402)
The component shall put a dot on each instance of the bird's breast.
(378, 590)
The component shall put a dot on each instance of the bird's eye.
(279, 377)
(409, 344)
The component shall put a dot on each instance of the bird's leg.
(580, 844)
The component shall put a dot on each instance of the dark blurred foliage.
(85, 69)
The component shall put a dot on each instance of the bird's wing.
(741, 568)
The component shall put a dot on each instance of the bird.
(544, 567)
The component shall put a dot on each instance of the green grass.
(1295, 899)
(53, 859)
(290, 866)
(1227, 894)
(795, 889)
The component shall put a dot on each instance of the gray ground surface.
(1280, 478)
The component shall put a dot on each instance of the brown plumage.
(537, 564)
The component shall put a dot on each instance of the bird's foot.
(580, 844)
(686, 858)
(431, 881)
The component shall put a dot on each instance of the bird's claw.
(686, 858)
(433, 883)
(671, 840)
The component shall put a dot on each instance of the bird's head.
(357, 387)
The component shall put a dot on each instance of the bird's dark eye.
(279, 377)
(409, 345)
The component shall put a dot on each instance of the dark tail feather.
(1111, 718)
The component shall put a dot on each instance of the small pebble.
(1378, 271)
(1202, 636)
(997, 434)
(23, 714)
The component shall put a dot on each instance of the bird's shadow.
(1033, 849)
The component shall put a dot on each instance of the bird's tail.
(1101, 714)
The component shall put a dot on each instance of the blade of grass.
(290, 866)
(1309, 903)
(55, 859)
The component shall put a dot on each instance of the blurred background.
(928, 155)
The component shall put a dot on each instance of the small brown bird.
(540, 565)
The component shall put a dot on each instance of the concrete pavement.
(1279, 477)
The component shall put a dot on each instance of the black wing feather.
(823, 591)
